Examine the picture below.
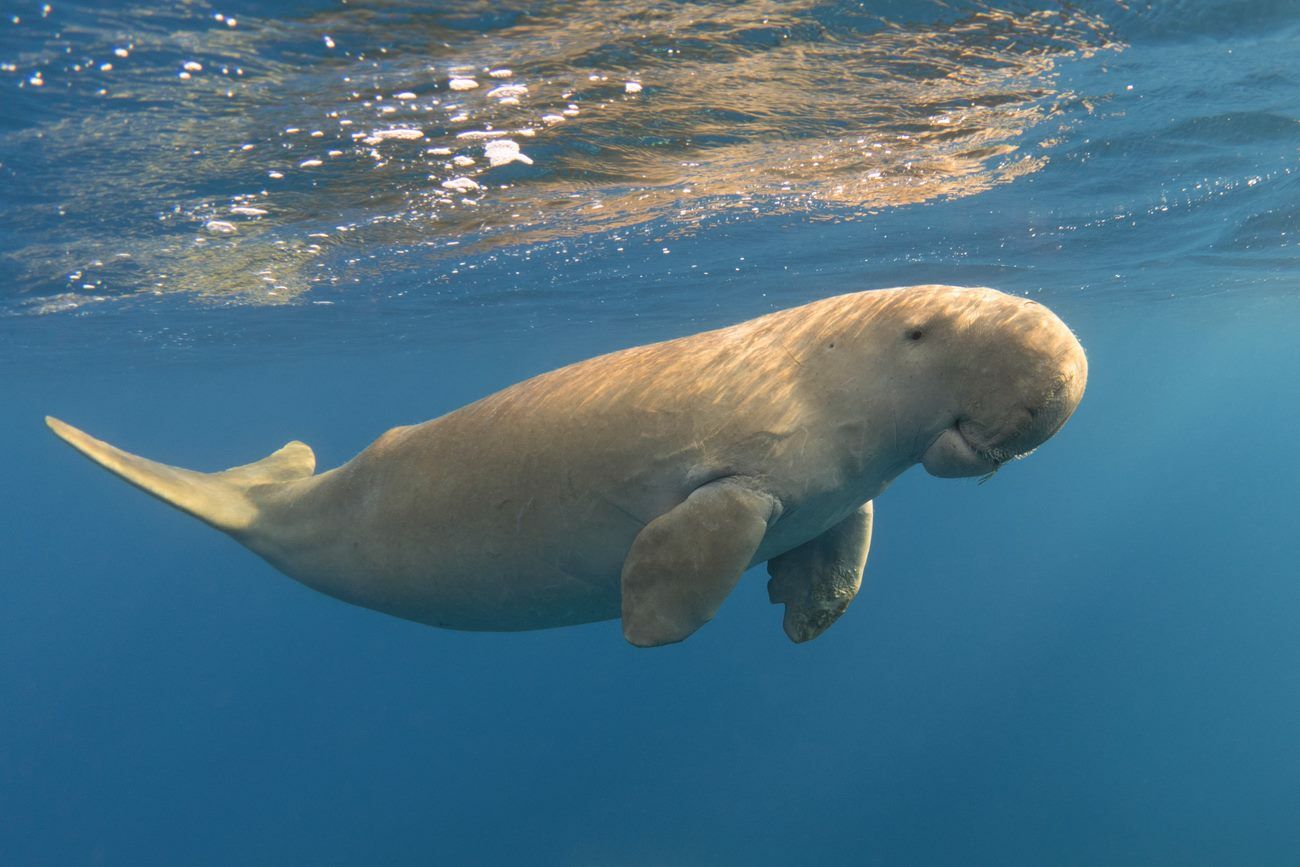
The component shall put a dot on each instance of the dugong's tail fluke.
(225, 499)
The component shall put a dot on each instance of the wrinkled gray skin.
(642, 483)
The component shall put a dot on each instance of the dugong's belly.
(455, 524)
(497, 570)
(496, 542)
(511, 564)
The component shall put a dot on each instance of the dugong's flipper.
(683, 564)
(227, 500)
(819, 579)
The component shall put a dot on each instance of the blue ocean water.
(1092, 659)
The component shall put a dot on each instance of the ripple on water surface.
(188, 150)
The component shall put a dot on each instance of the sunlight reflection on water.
(254, 158)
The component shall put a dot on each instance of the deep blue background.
(1092, 659)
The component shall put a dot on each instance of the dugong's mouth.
(954, 454)
(993, 454)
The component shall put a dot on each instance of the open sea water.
(228, 225)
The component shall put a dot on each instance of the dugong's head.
(1001, 374)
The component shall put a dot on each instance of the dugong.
(642, 483)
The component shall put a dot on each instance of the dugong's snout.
(1028, 380)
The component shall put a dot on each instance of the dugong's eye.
(915, 334)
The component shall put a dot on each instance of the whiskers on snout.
(999, 455)
(1000, 458)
